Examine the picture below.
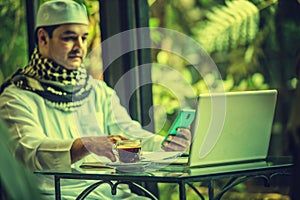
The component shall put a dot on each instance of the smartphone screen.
(183, 120)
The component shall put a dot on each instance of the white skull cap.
(58, 12)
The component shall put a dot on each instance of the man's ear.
(42, 36)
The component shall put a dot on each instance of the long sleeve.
(118, 121)
(43, 135)
(21, 110)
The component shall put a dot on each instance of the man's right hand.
(99, 145)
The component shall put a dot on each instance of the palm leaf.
(228, 26)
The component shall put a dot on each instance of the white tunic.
(42, 135)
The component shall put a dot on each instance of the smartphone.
(183, 120)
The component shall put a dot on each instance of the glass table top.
(160, 172)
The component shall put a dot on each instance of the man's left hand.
(179, 142)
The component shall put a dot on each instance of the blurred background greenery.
(253, 43)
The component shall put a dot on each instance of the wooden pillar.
(117, 16)
(31, 10)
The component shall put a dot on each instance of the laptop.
(231, 128)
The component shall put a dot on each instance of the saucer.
(137, 166)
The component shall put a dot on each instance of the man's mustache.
(75, 53)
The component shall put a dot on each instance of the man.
(58, 115)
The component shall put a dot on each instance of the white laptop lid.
(232, 127)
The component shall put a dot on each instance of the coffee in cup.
(129, 151)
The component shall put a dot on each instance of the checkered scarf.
(63, 88)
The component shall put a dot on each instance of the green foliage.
(229, 31)
(13, 37)
(171, 90)
(227, 27)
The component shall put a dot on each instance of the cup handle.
(115, 152)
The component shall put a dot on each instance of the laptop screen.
(232, 127)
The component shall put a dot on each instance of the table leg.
(57, 188)
(182, 192)
(196, 190)
(210, 190)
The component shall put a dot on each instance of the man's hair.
(48, 29)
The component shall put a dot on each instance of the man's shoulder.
(13, 92)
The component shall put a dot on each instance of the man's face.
(68, 46)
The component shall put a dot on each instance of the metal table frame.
(235, 177)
